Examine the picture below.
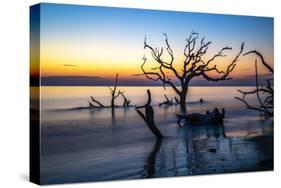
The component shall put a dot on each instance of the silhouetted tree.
(148, 116)
(114, 95)
(194, 65)
(264, 93)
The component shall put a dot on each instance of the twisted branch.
(266, 104)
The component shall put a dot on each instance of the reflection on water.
(149, 167)
(106, 144)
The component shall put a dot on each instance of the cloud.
(140, 74)
(70, 65)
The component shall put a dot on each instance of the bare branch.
(229, 69)
(97, 102)
(155, 76)
(266, 103)
(126, 102)
(249, 106)
(113, 92)
(158, 56)
(262, 59)
(194, 65)
(167, 101)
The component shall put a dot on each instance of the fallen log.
(209, 118)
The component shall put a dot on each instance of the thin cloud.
(141, 74)
(70, 65)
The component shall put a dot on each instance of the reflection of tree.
(113, 116)
(191, 132)
(150, 166)
(216, 131)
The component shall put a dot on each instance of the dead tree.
(126, 102)
(148, 117)
(264, 94)
(195, 64)
(114, 93)
(167, 101)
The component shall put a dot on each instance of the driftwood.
(167, 101)
(95, 103)
(148, 117)
(126, 102)
(114, 95)
(264, 94)
(215, 117)
(194, 65)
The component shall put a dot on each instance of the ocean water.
(100, 144)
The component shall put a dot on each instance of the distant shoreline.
(136, 86)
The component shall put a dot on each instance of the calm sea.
(101, 144)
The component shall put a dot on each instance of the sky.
(88, 45)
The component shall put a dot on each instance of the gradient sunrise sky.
(99, 42)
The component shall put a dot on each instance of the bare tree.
(264, 94)
(148, 117)
(114, 93)
(94, 103)
(194, 65)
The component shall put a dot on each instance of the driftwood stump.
(215, 117)
(148, 117)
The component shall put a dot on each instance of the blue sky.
(69, 32)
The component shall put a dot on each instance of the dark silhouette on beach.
(193, 66)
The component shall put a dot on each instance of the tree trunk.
(183, 99)
(148, 117)
(112, 102)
